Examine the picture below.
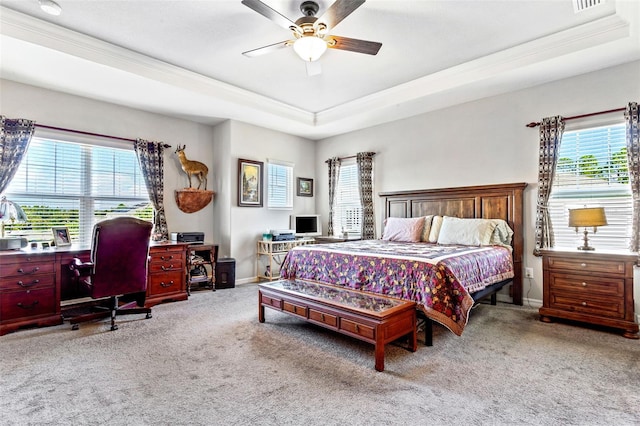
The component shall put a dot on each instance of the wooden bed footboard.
(501, 201)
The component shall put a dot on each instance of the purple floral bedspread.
(438, 278)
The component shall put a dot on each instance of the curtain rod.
(90, 133)
(346, 158)
(535, 124)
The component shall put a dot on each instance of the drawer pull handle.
(322, 317)
(165, 285)
(584, 284)
(167, 269)
(584, 303)
(33, 271)
(34, 282)
(166, 257)
(31, 306)
(357, 328)
(584, 265)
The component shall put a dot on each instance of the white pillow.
(502, 234)
(469, 232)
(436, 223)
(403, 229)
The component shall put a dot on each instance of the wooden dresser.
(28, 291)
(594, 287)
(33, 282)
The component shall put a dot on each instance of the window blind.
(592, 171)
(347, 210)
(280, 185)
(64, 183)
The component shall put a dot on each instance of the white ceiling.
(183, 58)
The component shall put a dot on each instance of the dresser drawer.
(354, 327)
(166, 265)
(602, 307)
(26, 269)
(587, 265)
(585, 285)
(30, 303)
(169, 282)
(30, 282)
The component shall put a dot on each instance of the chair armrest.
(80, 268)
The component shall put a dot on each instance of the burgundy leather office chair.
(117, 270)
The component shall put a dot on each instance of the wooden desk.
(33, 282)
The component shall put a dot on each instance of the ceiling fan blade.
(339, 10)
(272, 14)
(313, 68)
(267, 49)
(353, 44)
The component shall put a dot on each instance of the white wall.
(247, 224)
(58, 109)
(481, 142)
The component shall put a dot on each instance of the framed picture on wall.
(250, 183)
(305, 187)
(61, 236)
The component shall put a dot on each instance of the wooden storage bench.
(369, 317)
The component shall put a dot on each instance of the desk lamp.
(587, 217)
(11, 212)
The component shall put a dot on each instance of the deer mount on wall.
(192, 199)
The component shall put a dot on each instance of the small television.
(306, 225)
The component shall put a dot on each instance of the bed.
(445, 280)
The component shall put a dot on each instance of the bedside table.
(592, 287)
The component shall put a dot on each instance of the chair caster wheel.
(114, 327)
(149, 316)
(75, 327)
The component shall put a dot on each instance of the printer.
(187, 237)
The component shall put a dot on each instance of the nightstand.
(594, 287)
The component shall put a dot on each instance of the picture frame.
(305, 187)
(250, 183)
(61, 236)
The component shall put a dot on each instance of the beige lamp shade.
(587, 217)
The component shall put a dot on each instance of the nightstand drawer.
(607, 307)
(586, 285)
(587, 265)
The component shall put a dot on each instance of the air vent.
(581, 5)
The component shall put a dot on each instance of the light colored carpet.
(207, 361)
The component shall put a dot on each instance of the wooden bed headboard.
(503, 201)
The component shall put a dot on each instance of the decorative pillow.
(426, 230)
(469, 232)
(436, 223)
(502, 234)
(403, 229)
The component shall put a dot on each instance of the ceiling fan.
(311, 34)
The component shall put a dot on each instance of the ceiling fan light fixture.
(310, 48)
(50, 7)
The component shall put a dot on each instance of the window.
(280, 185)
(347, 212)
(592, 171)
(73, 184)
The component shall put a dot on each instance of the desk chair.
(117, 270)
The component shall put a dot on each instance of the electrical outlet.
(528, 272)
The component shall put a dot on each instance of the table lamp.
(587, 217)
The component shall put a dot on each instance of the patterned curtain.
(633, 160)
(551, 130)
(150, 157)
(365, 186)
(15, 136)
(334, 172)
